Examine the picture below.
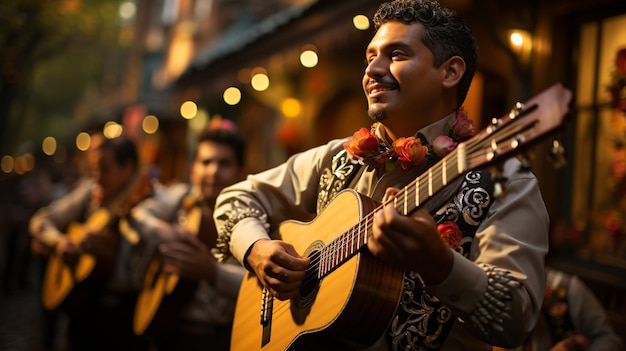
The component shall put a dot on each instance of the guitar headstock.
(526, 124)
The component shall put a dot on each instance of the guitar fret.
(417, 192)
(430, 182)
(362, 238)
(461, 161)
(328, 260)
(339, 249)
(406, 205)
(343, 250)
(350, 249)
(444, 174)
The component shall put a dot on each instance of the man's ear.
(454, 69)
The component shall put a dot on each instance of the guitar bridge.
(267, 305)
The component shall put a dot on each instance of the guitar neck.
(407, 200)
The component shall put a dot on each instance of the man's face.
(400, 81)
(214, 168)
(111, 176)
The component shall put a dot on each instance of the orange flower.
(410, 151)
(451, 234)
(362, 144)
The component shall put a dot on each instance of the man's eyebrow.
(392, 45)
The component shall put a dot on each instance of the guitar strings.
(341, 252)
(435, 175)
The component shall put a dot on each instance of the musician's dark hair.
(227, 137)
(445, 33)
(124, 150)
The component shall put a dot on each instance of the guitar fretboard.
(405, 201)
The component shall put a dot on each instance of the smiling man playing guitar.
(86, 276)
(442, 263)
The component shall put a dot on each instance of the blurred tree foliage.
(53, 54)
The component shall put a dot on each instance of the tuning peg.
(517, 109)
(557, 154)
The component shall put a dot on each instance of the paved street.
(21, 315)
(20, 322)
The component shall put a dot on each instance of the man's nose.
(376, 67)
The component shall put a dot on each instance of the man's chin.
(376, 114)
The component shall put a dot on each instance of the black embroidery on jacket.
(422, 322)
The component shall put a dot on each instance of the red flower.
(362, 144)
(451, 234)
(463, 128)
(410, 151)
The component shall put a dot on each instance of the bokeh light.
(112, 130)
(150, 124)
(308, 58)
(188, 109)
(291, 107)
(232, 96)
(7, 164)
(361, 22)
(49, 146)
(260, 82)
(83, 141)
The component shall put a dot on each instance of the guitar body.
(164, 294)
(353, 303)
(61, 278)
(161, 300)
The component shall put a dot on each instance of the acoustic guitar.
(61, 278)
(151, 313)
(348, 295)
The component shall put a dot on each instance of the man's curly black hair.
(446, 34)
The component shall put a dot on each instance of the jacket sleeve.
(50, 222)
(252, 209)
